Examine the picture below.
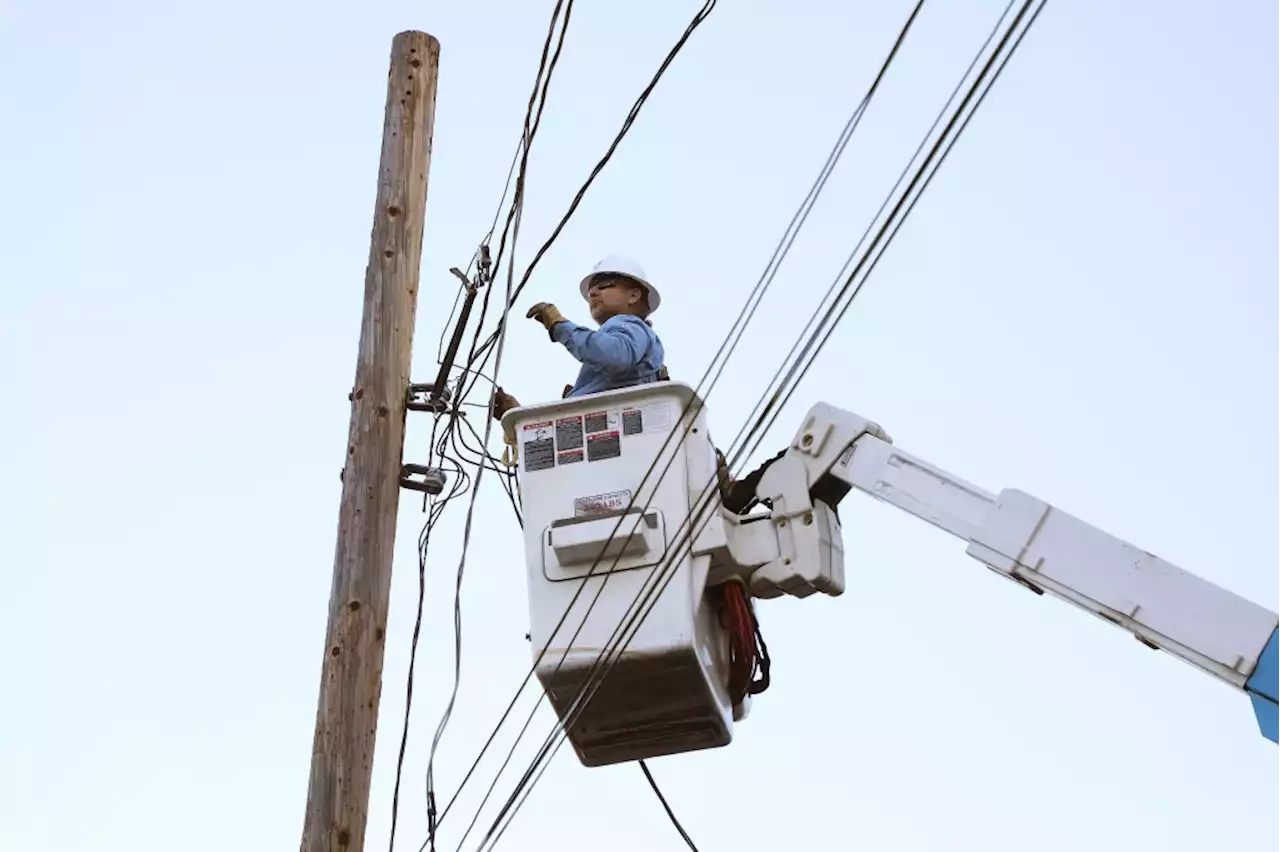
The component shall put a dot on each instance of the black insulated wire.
(895, 221)
(726, 349)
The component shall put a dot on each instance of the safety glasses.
(602, 284)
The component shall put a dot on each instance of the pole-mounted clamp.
(432, 478)
(423, 397)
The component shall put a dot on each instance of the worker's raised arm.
(620, 344)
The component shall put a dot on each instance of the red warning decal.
(597, 421)
(569, 433)
(603, 445)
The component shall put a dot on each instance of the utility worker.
(624, 351)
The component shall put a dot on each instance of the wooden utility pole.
(351, 681)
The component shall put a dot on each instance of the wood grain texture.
(351, 680)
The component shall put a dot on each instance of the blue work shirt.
(625, 351)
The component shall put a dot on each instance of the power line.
(675, 821)
(726, 348)
(485, 461)
(462, 482)
(696, 21)
(648, 776)
(518, 205)
(824, 338)
(849, 290)
(896, 222)
(806, 332)
(435, 509)
(530, 130)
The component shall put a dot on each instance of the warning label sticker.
(569, 456)
(597, 421)
(650, 418)
(604, 445)
(539, 455)
(537, 431)
(539, 446)
(601, 504)
(569, 433)
(657, 416)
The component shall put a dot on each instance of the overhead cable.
(630, 119)
(462, 482)
(895, 220)
(717, 366)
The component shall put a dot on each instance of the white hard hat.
(616, 264)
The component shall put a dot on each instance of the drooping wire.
(435, 509)
(849, 289)
(721, 358)
(805, 334)
(521, 157)
(508, 476)
(462, 480)
(896, 223)
(913, 202)
(648, 776)
(697, 20)
(675, 821)
(726, 348)
(538, 96)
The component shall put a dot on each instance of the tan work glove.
(547, 314)
(502, 403)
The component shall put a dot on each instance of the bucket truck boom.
(1037, 545)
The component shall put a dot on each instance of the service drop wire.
(896, 222)
(532, 121)
(630, 119)
(462, 563)
(435, 509)
(727, 346)
(539, 92)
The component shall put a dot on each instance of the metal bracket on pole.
(432, 481)
(441, 386)
(424, 397)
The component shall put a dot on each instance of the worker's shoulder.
(629, 322)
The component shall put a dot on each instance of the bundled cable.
(452, 448)
(748, 655)
(484, 350)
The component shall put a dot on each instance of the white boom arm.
(1017, 536)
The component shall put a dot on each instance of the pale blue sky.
(1084, 306)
